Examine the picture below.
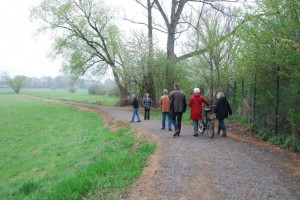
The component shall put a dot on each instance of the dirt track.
(202, 168)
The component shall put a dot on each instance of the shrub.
(275, 140)
(264, 135)
(97, 89)
(72, 89)
(114, 91)
(288, 143)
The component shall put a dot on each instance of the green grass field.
(81, 95)
(50, 151)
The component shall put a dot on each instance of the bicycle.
(208, 123)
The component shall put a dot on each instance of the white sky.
(21, 51)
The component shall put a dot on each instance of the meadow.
(81, 95)
(50, 151)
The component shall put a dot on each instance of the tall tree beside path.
(85, 35)
(177, 23)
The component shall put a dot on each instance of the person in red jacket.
(195, 104)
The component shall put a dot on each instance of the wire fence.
(274, 107)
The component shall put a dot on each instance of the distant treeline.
(95, 87)
(63, 82)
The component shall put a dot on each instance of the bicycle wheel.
(200, 128)
(210, 129)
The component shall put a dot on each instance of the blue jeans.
(163, 120)
(135, 112)
(222, 126)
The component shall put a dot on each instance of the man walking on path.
(177, 107)
(135, 111)
(147, 102)
(165, 110)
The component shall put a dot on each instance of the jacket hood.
(197, 95)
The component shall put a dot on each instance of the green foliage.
(284, 140)
(212, 70)
(264, 135)
(270, 52)
(60, 152)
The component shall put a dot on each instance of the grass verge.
(284, 140)
(50, 151)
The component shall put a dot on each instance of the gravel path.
(219, 168)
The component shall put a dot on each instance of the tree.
(85, 36)
(217, 64)
(177, 18)
(16, 83)
(149, 76)
(136, 60)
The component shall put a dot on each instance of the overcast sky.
(23, 53)
(20, 52)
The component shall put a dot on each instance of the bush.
(114, 91)
(264, 135)
(288, 143)
(276, 140)
(72, 89)
(97, 89)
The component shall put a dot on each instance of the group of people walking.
(173, 106)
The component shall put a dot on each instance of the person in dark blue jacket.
(135, 111)
(222, 109)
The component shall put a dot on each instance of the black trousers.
(176, 120)
(147, 114)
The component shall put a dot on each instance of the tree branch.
(145, 24)
(163, 14)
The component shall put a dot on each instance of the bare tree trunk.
(122, 88)
(150, 78)
(176, 10)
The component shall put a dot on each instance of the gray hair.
(220, 94)
(196, 90)
(165, 91)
